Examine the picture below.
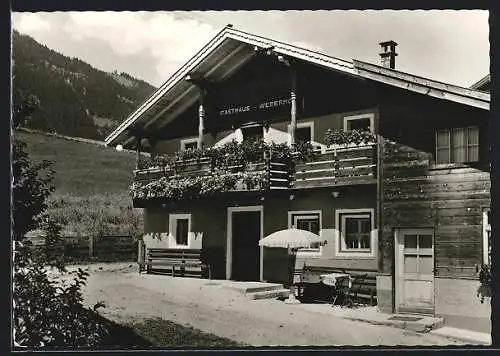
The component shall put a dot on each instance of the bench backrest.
(174, 254)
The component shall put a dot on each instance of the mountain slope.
(75, 98)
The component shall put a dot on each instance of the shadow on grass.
(166, 334)
(121, 336)
(157, 333)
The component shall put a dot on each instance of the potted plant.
(484, 290)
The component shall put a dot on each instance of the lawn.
(160, 333)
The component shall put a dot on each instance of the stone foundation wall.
(384, 294)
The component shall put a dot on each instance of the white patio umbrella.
(292, 239)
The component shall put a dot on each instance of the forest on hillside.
(75, 98)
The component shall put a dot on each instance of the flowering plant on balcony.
(344, 138)
(234, 154)
(179, 188)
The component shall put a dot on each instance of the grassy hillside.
(92, 184)
(82, 169)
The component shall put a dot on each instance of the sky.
(445, 45)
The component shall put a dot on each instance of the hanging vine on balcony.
(193, 187)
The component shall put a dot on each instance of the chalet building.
(395, 175)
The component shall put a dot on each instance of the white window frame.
(304, 124)
(370, 116)
(307, 252)
(186, 141)
(340, 250)
(486, 229)
(450, 131)
(172, 228)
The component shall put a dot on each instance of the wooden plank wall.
(449, 200)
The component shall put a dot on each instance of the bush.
(46, 312)
(484, 289)
(96, 215)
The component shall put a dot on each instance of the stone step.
(268, 294)
(250, 287)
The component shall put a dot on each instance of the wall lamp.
(335, 194)
(292, 196)
(119, 148)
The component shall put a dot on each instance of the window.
(355, 231)
(304, 132)
(457, 145)
(363, 122)
(487, 236)
(253, 133)
(180, 226)
(309, 221)
(189, 144)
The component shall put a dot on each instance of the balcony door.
(415, 271)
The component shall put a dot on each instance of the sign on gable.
(257, 107)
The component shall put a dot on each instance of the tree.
(32, 182)
(46, 312)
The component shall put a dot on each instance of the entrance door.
(415, 271)
(245, 236)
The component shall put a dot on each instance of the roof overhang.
(423, 85)
(230, 49)
(219, 59)
(479, 85)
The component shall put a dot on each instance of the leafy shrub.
(46, 313)
(484, 289)
(96, 215)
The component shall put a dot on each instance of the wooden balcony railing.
(338, 167)
(330, 167)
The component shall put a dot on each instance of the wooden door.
(246, 233)
(415, 271)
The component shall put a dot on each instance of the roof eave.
(421, 85)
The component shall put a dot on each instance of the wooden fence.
(103, 248)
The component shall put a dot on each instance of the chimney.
(388, 55)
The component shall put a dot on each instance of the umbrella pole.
(291, 296)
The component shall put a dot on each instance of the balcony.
(265, 169)
(340, 166)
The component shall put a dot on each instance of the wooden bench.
(365, 293)
(185, 262)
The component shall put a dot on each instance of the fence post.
(91, 246)
(140, 253)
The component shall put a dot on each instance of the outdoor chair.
(341, 290)
(349, 291)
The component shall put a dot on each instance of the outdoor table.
(332, 279)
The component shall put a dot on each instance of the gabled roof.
(482, 84)
(232, 48)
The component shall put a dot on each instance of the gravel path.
(207, 306)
